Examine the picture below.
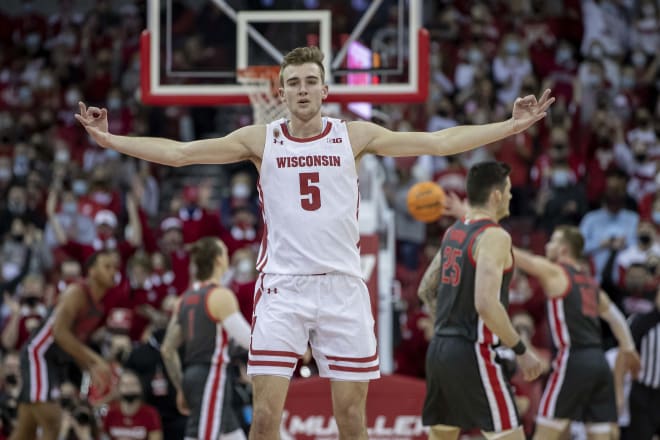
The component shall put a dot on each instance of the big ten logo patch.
(270, 290)
(335, 140)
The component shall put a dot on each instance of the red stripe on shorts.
(496, 386)
(353, 359)
(271, 364)
(354, 369)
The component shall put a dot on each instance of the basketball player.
(207, 314)
(310, 288)
(46, 356)
(580, 387)
(466, 287)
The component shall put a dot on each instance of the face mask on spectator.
(592, 79)
(563, 55)
(475, 56)
(62, 156)
(46, 82)
(16, 207)
(5, 174)
(644, 239)
(627, 82)
(70, 208)
(638, 59)
(31, 301)
(597, 52)
(11, 379)
(111, 154)
(79, 187)
(67, 403)
(512, 48)
(130, 397)
(656, 217)
(114, 103)
(561, 178)
(72, 97)
(240, 191)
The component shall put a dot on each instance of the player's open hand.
(100, 374)
(528, 110)
(631, 361)
(530, 365)
(454, 206)
(181, 403)
(95, 121)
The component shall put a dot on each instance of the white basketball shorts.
(331, 312)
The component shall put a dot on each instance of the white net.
(261, 84)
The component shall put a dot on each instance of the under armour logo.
(273, 290)
(276, 141)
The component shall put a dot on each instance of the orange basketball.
(426, 201)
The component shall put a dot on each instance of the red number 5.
(311, 194)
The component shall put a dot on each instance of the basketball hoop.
(261, 84)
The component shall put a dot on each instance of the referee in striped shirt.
(645, 393)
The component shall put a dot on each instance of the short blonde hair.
(573, 238)
(302, 55)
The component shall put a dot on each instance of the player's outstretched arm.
(617, 322)
(535, 265)
(371, 138)
(234, 147)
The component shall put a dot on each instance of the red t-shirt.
(138, 426)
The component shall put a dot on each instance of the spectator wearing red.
(174, 267)
(645, 248)
(452, 178)
(106, 232)
(244, 279)
(145, 298)
(101, 196)
(131, 417)
(196, 220)
(27, 313)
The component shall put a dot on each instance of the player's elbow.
(482, 304)
(166, 352)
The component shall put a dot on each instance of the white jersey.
(308, 190)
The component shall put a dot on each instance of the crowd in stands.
(594, 162)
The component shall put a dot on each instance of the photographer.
(78, 421)
(131, 417)
(11, 386)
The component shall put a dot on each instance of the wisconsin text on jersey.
(317, 160)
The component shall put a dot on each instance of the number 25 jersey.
(456, 314)
(308, 189)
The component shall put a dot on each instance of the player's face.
(223, 258)
(303, 90)
(552, 248)
(503, 207)
(104, 270)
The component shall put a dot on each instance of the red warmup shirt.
(138, 426)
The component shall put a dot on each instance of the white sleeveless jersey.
(308, 190)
